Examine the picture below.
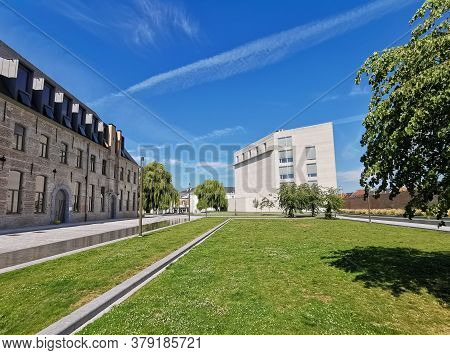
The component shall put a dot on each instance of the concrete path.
(395, 221)
(22, 247)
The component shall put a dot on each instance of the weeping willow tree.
(408, 125)
(159, 193)
(211, 193)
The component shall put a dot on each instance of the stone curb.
(398, 224)
(82, 315)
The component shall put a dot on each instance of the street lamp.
(189, 203)
(141, 182)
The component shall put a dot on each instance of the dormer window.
(47, 93)
(23, 79)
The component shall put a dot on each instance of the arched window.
(14, 191)
(39, 195)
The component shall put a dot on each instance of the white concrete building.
(299, 155)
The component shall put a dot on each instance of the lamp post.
(141, 192)
(368, 204)
(189, 203)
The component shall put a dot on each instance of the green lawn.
(35, 297)
(303, 276)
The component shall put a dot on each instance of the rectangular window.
(91, 198)
(286, 172)
(134, 178)
(285, 142)
(66, 106)
(115, 172)
(311, 170)
(120, 200)
(310, 153)
(14, 191)
(39, 194)
(93, 163)
(134, 201)
(79, 153)
(102, 198)
(286, 156)
(44, 146)
(47, 93)
(128, 200)
(129, 176)
(19, 134)
(76, 196)
(23, 79)
(103, 167)
(63, 153)
(121, 174)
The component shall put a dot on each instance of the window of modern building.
(104, 167)
(44, 146)
(310, 153)
(14, 191)
(311, 170)
(39, 194)
(286, 172)
(93, 163)
(120, 200)
(23, 79)
(312, 182)
(79, 153)
(121, 174)
(19, 134)
(265, 146)
(102, 198)
(91, 195)
(134, 177)
(257, 150)
(134, 201)
(63, 153)
(285, 142)
(286, 156)
(129, 176)
(76, 196)
(128, 200)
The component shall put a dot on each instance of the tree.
(287, 199)
(255, 203)
(266, 203)
(332, 201)
(211, 193)
(159, 193)
(201, 205)
(313, 197)
(407, 135)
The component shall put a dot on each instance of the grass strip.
(34, 297)
(297, 277)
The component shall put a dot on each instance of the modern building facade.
(59, 162)
(300, 155)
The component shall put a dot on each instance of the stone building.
(59, 162)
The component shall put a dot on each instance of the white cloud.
(220, 133)
(139, 22)
(264, 51)
(349, 175)
(349, 119)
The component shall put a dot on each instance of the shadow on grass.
(398, 270)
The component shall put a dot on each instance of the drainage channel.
(97, 307)
(26, 255)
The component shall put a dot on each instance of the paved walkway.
(63, 238)
(391, 222)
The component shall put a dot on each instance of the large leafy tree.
(332, 201)
(211, 193)
(159, 193)
(288, 199)
(408, 125)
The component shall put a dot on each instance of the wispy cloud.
(139, 22)
(349, 175)
(264, 51)
(220, 133)
(349, 119)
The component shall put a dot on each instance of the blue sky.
(208, 74)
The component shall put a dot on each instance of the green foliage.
(255, 203)
(159, 193)
(211, 193)
(266, 203)
(408, 124)
(297, 198)
(332, 201)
